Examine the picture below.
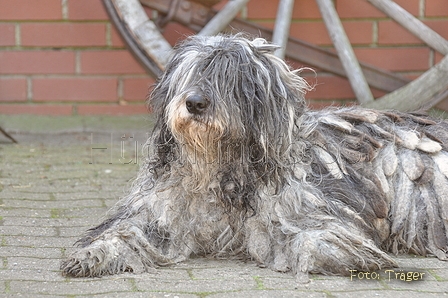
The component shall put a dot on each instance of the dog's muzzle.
(196, 104)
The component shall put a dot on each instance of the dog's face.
(227, 89)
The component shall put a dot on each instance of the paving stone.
(420, 286)
(81, 287)
(50, 195)
(9, 193)
(421, 262)
(31, 275)
(85, 195)
(388, 294)
(439, 274)
(72, 232)
(38, 241)
(195, 286)
(14, 251)
(221, 272)
(26, 203)
(271, 294)
(55, 221)
(333, 284)
(24, 231)
(6, 211)
(147, 295)
(84, 212)
(27, 263)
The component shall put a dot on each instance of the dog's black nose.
(196, 104)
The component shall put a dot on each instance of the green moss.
(259, 281)
(55, 213)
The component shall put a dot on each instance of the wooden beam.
(345, 51)
(326, 60)
(414, 25)
(302, 51)
(282, 26)
(428, 88)
(222, 19)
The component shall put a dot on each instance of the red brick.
(439, 26)
(262, 9)
(411, 6)
(359, 32)
(321, 104)
(330, 88)
(137, 89)
(147, 10)
(389, 32)
(357, 9)
(220, 5)
(305, 73)
(267, 9)
(316, 32)
(438, 57)
(102, 109)
(363, 9)
(395, 59)
(30, 10)
(36, 109)
(12, 89)
(74, 89)
(37, 62)
(86, 10)
(63, 34)
(305, 9)
(109, 62)
(7, 35)
(116, 39)
(436, 8)
(377, 93)
(174, 32)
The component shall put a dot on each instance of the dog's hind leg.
(336, 249)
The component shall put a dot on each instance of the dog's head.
(228, 89)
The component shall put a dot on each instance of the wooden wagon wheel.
(143, 37)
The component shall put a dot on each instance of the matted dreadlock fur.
(238, 166)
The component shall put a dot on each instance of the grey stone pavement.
(64, 175)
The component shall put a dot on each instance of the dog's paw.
(302, 278)
(101, 258)
(85, 262)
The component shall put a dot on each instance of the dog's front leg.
(125, 246)
(129, 240)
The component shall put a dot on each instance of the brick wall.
(63, 57)
(376, 39)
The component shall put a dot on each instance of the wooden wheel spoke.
(148, 45)
(222, 19)
(412, 24)
(345, 51)
(430, 87)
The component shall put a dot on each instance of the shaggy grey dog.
(237, 166)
